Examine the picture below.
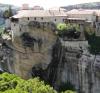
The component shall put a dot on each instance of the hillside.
(94, 5)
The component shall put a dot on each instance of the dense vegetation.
(93, 40)
(73, 31)
(10, 83)
(94, 43)
(68, 30)
(8, 13)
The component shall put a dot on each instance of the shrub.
(10, 83)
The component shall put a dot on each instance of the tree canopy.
(68, 30)
(10, 83)
(61, 26)
(90, 30)
(8, 13)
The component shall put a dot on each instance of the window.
(41, 18)
(35, 18)
(14, 25)
(20, 29)
(55, 20)
(28, 18)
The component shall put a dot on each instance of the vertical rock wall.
(81, 69)
(27, 57)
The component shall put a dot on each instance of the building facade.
(24, 17)
(91, 16)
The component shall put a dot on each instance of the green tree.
(8, 12)
(90, 30)
(10, 83)
(61, 26)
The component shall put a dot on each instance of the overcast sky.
(46, 3)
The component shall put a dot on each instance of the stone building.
(33, 38)
(91, 16)
(24, 17)
(33, 41)
(88, 15)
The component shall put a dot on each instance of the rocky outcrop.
(52, 59)
(32, 49)
(6, 58)
(72, 64)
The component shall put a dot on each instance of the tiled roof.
(82, 11)
(39, 13)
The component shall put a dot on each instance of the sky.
(46, 3)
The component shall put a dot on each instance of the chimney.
(25, 7)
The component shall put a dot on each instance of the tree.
(90, 30)
(10, 83)
(61, 26)
(8, 13)
(68, 30)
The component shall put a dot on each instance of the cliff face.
(52, 59)
(6, 58)
(81, 71)
(35, 48)
(79, 67)
(72, 64)
(62, 64)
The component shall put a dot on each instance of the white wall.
(15, 28)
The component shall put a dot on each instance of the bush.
(10, 83)
(94, 43)
(69, 30)
(90, 30)
(61, 26)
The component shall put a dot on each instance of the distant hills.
(94, 5)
